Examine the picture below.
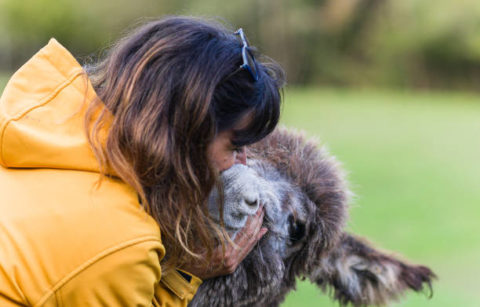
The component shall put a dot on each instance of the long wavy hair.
(165, 91)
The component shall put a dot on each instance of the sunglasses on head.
(249, 63)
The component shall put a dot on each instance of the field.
(413, 162)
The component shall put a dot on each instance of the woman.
(170, 106)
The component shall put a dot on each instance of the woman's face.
(223, 154)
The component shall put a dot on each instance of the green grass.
(414, 164)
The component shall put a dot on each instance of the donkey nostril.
(251, 203)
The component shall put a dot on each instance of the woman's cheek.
(227, 162)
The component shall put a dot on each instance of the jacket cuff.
(181, 283)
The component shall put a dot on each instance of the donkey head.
(296, 239)
(305, 198)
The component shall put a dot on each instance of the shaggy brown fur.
(377, 277)
(305, 213)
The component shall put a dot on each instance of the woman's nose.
(241, 157)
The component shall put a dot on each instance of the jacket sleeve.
(121, 277)
(127, 277)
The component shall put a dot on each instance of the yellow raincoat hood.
(64, 241)
(41, 119)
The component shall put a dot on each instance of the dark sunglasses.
(249, 63)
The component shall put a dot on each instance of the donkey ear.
(356, 273)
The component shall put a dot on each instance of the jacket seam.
(43, 101)
(90, 262)
(58, 298)
(82, 71)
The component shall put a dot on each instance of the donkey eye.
(296, 229)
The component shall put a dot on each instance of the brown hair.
(165, 91)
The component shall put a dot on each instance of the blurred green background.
(391, 87)
(401, 44)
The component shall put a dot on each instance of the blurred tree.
(30, 23)
(414, 43)
(84, 27)
(426, 44)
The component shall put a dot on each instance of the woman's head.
(172, 88)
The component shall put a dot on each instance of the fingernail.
(263, 230)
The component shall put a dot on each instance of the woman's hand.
(234, 255)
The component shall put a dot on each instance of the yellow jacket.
(64, 242)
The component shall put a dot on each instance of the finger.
(244, 243)
(251, 229)
(251, 220)
(257, 220)
(249, 244)
(261, 233)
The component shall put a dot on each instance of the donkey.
(305, 196)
